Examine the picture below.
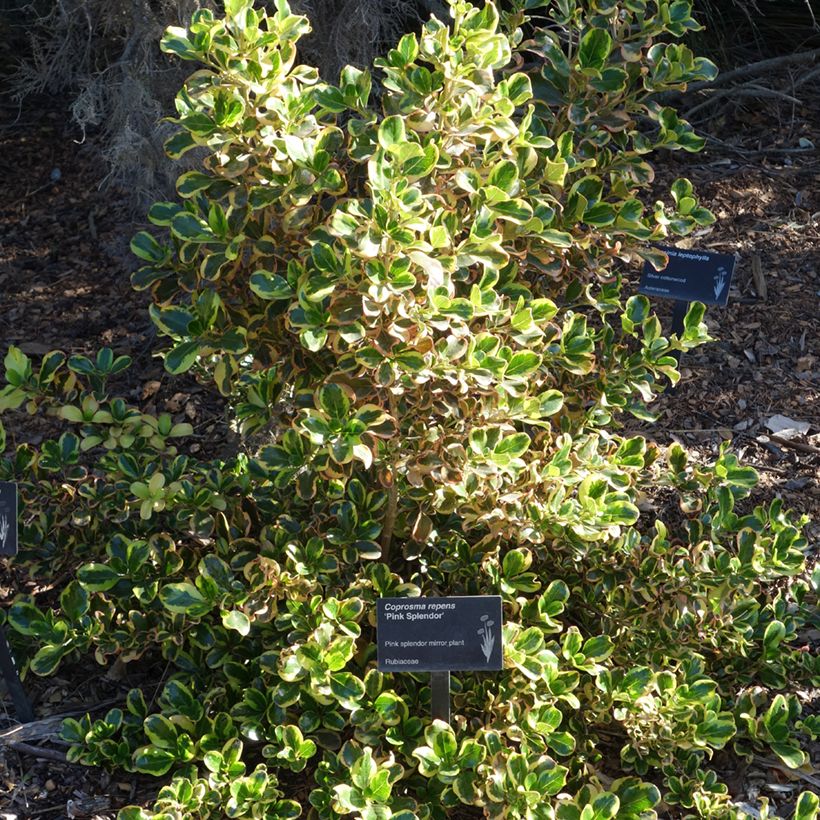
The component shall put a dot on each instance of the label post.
(440, 696)
(8, 547)
(8, 668)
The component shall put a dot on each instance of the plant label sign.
(8, 518)
(461, 633)
(690, 276)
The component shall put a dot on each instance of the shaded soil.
(64, 284)
(760, 178)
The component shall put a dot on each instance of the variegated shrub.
(414, 304)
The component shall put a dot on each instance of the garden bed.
(64, 283)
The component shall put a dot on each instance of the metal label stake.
(8, 547)
(25, 714)
(440, 696)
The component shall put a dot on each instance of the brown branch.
(743, 72)
(38, 751)
(807, 78)
(795, 445)
(776, 764)
(50, 726)
(761, 152)
(755, 69)
(749, 90)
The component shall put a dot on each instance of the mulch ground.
(64, 284)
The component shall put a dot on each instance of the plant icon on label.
(720, 282)
(4, 532)
(487, 637)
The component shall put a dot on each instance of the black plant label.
(690, 276)
(459, 633)
(8, 518)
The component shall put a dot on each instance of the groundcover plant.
(413, 305)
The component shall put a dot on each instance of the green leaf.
(190, 228)
(26, 619)
(636, 681)
(144, 278)
(622, 512)
(551, 780)
(442, 740)
(605, 806)
(408, 48)
(422, 164)
(716, 731)
(518, 88)
(562, 743)
(18, 366)
(331, 98)
(636, 797)
(364, 770)
(504, 176)
(598, 648)
(775, 633)
(153, 761)
(48, 658)
(807, 806)
(560, 239)
(693, 321)
(188, 185)
(515, 562)
(172, 321)
(338, 653)
(513, 446)
(289, 810)
(594, 50)
(270, 285)
(792, 756)
(346, 686)
(184, 598)
(146, 247)
(97, 577)
(134, 813)
(161, 213)
(236, 620)
(550, 402)
(333, 401)
(392, 133)
(74, 601)
(313, 338)
(182, 357)
(522, 364)
(160, 731)
(175, 41)
(178, 145)
(513, 210)
(324, 258)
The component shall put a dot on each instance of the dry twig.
(747, 90)
(795, 445)
(756, 69)
(50, 726)
(38, 751)
(776, 764)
